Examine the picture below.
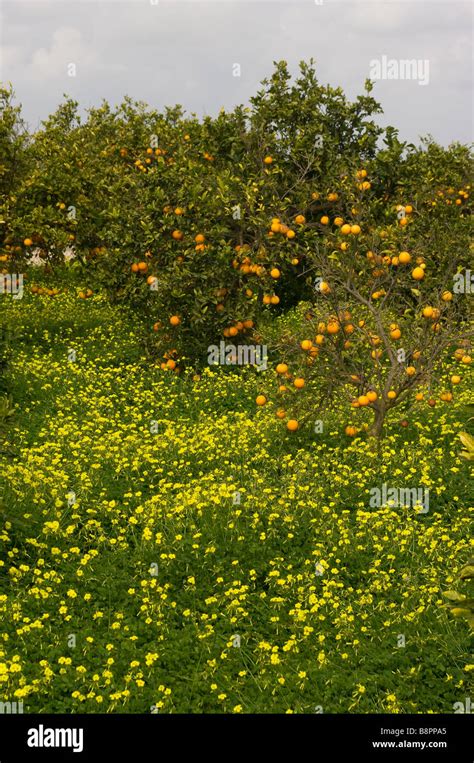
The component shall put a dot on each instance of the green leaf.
(467, 572)
(453, 596)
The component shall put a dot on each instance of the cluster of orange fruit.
(238, 328)
(139, 267)
(461, 355)
(246, 266)
(462, 194)
(366, 399)
(142, 268)
(277, 226)
(292, 424)
(43, 290)
(365, 185)
(85, 294)
(270, 299)
(142, 165)
(403, 258)
(169, 362)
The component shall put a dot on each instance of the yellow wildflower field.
(167, 547)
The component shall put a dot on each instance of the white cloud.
(67, 46)
(182, 52)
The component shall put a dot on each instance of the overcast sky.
(175, 51)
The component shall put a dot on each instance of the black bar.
(156, 737)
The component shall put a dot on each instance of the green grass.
(250, 569)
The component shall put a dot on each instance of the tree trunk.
(376, 430)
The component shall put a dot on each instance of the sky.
(185, 51)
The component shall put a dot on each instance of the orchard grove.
(185, 537)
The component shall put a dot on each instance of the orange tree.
(201, 227)
(191, 241)
(384, 310)
(172, 215)
(14, 141)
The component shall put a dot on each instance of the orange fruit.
(350, 431)
(363, 400)
(290, 234)
(333, 327)
(300, 219)
(410, 370)
(391, 394)
(345, 229)
(466, 359)
(275, 273)
(292, 425)
(299, 383)
(455, 379)
(233, 331)
(178, 211)
(142, 267)
(199, 239)
(266, 299)
(268, 160)
(260, 399)
(371, 396)
(151, 279)
(418, 273)
(134, 267)
(248, 324)
(446, 296)
(177, 235)
(306, 344)
(419, 396)
(338, 221)
(27, 242)
(324, 220)
(156, 326)
(274, 300)
(355, 230)
(175, 320)
(281, 413)
(395, 334)
(404, 258)
(427, 311)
